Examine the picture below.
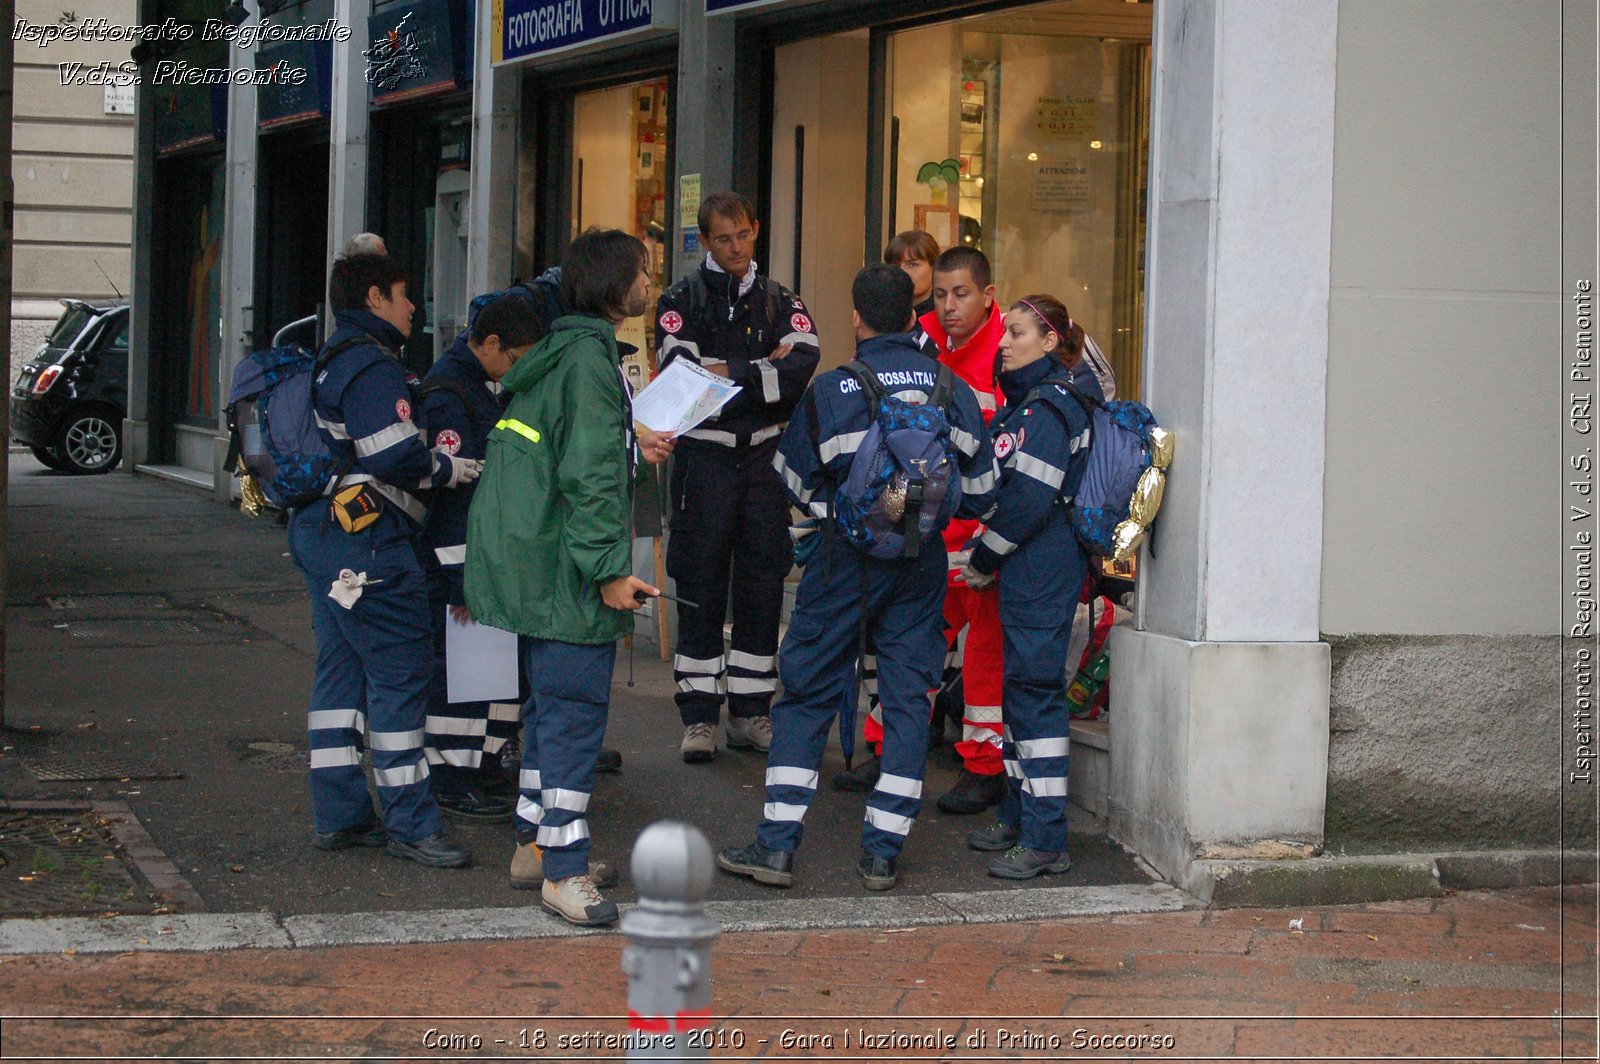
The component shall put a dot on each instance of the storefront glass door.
(1023, 133)
(619, 181)
(1041, 114)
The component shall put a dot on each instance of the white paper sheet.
(682, 395)
(480, 662)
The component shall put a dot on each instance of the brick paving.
(1475, 976)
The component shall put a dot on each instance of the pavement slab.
(1149, 985)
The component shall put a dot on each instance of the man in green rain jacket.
(549, 555)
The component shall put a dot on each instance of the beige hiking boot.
(578, 901)
(750, 733)
(699, 743)
(527, 869)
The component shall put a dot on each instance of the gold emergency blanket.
(1146, 500)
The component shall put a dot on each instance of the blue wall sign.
(537, 28)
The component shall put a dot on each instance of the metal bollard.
(668, 956)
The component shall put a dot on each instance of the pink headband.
(1046, 321)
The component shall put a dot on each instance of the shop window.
(1024, 134)
(619, 181)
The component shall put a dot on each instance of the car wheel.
(90, 440)
(49, 457)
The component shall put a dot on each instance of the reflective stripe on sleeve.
(382, 440)
(526, 431)
(844, 443)
(964, 441)
(996, 542)
(1038, 469)
(979, 485)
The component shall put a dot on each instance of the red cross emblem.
(448, 440)
(671, 322)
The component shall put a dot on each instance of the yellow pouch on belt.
(356, 507)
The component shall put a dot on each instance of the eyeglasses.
(724, 242)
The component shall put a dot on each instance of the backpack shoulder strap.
(346, 344)
(870, 387)
(943, 388)
(699, 296)
(1085, 400)
(447, 384)
(774, 303)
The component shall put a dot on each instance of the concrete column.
(141, 301)
(1220, 739)
(238, 250)
(348, 125)
(491, 228)
(703, 131)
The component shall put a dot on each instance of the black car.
(69, 402)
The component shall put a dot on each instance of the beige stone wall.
(1444, 401)
(73, 168)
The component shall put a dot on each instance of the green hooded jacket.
(551, 517)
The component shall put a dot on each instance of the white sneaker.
(578, 901)
(750, 733)
(699, 743)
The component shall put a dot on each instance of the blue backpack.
(273, 423)
(903, 486)
(1119, 453)
(544, 292)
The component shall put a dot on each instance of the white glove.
(975, 580)
(462, 470)
(347, 589)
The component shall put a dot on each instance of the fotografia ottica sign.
(539, 29)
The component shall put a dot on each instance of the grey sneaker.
(995, 838)
(578, 901)
(750, 733)
(699, 743)
(527, 869)
(1019, 862)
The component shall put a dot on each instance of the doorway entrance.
(1023, 133)
(619, 181)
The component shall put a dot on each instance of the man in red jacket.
(964, 328)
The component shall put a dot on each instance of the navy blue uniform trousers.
(904, 603)
(374, 669)
(1039, 590)
(563, 722)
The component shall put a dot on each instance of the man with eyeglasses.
(730, 519)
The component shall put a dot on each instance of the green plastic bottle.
(1086, 685)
